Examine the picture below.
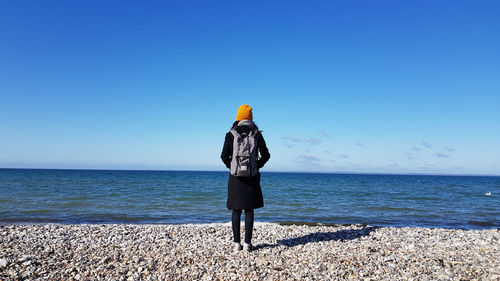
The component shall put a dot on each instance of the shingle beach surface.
(283, 252)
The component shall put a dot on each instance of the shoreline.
(284, 252)
(482, 226)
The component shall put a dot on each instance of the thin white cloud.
(441, 155)
(308, 158)
(287, 144)
(359, 144)
(309, 162)
(312, 141)
(449, 149)
(308, 140)
(410, 156)
(323, 134)
(293, 139)
(345, 156)
(426, 144)
(416, 148)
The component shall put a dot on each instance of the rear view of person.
(244, 153)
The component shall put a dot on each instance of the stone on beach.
(204, 252)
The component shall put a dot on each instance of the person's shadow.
(342, 235)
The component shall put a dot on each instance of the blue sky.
(336, 86)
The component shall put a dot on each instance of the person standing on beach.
(244, 191)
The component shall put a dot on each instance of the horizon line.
(275, 171)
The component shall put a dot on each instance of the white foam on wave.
(488, 194)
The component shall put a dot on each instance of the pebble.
(283, 252)
(3, 263)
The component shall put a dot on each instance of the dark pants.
(248, 225)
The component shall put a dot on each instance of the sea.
(186, 197)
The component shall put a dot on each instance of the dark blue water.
(97, 196)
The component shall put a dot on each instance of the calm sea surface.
(98, 196)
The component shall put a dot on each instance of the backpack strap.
(235, 133)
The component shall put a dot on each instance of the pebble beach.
(282, 252)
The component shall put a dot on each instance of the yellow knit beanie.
(244, 112)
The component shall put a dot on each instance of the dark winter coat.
(244, 193)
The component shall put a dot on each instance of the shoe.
(247, 247)
(237, 246)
